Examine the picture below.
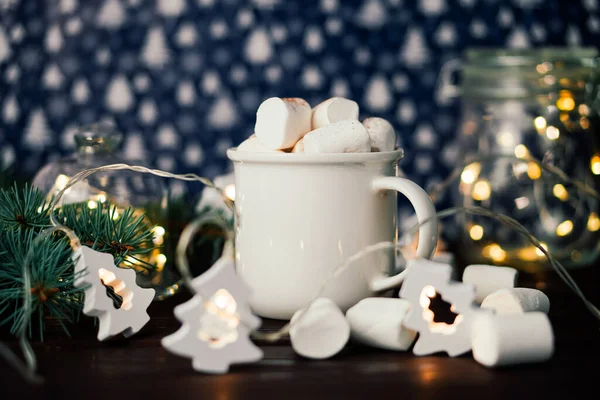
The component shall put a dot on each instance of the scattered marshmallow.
(348, 136)
(489, 278)
(299, 146)
(280, 123)
(382, 133)
(377, 322)
(253, 145)
(517, 301)
(334, 110)
(500, 340)
(322, 332)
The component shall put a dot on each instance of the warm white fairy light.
(61, 181)
(595, 164)
(552, 133)
(506, 138)
(230, 191)
(159, 233)
(101, 198)
(540, 123)
(161, 260)
(521, 151)
(560, 192)
(495, 252)
(565, 104)
(538, 251)
(564, 228)
(470, 173)
(481, 190)
(533, 171)
(92, 205)
(593, 223)
(476, 232)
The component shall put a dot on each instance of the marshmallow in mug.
(382, 133)
(499, 340)
(322, 332)
(517, 301)
(348, 136)
(254, 145)
(280, 123)
(334, 110)
(489, 278)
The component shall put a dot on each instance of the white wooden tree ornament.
(95, 271)
(426, 279)
(216, 326)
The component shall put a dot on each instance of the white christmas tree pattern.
(96, 271)
(216, 327)
(424, 281)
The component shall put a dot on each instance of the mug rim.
(316, 158)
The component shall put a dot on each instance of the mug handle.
(428, 232)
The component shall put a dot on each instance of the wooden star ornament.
(96, 271)
(216, 326)
(426, 283)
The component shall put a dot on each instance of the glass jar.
(98, 145)
(519, 106)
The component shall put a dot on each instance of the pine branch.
(127, 236)
(23, 208)
(51, 274)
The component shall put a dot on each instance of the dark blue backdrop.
(183, 78)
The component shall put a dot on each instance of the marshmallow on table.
(377, 322)
(383, 136)
(280, 123)
(334, 110)
(321, 332)
(348, 136)
(489, 278)
(500, 340)
(253, 145)
(517, 301)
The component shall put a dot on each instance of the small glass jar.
(519, 106)
(98, 145)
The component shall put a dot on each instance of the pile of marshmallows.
(515, 329)
(290, 125)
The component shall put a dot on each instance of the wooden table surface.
(82, 367)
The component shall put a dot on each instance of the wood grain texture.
(82, 367)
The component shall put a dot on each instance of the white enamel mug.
(301, 215)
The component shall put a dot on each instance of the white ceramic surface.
(301, 215)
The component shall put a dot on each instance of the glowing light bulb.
(61, 181)
(101, 198)
(584, 110)
(482, 190)
(470, 173)
(115, 215)
(230, 191)
(521, 151)
(506, 139)
(539, 252)
(560, 192)
(476, 232)
(495, 252)
(595, 165)
(533, 170)
(564, 228)
(540, 123)
(92, 204)
(593, 223)
(552, 133)
(161, 260)
(584, 122)
(565, 103)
